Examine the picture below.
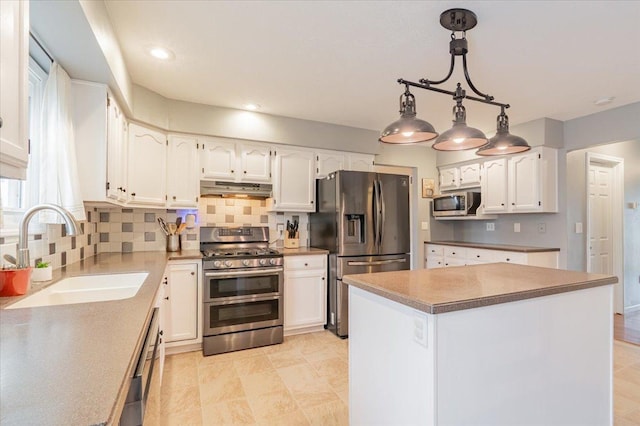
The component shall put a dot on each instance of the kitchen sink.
(85, 289)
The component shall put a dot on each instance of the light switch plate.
(578, 227)
(424, 226)
(516, 227)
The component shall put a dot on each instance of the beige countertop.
(71, 364)
(442, 290)
(184, 255)
(302, 251)
(504, 247)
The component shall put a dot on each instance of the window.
(16, 196)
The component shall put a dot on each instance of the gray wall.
(187, 117)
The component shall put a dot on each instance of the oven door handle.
(244, 300)
(257, 272)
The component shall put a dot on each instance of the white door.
(182, 171)
(449, 178)
(306, 299)
(147, 166)
(470, 175)
(294, 183)
(360, 162)
(328, 163)
(494, 186)
(181, 296)
(600, 229)
(605, 238)
(218, 159)
(524, 183)
(255, 163)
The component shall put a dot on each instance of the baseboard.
(632, 308)
(303, 330)
(173, 350)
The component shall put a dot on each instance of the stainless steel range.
(243, 289)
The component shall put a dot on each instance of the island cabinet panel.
(182, 300)
(524, 362)
(439, 256)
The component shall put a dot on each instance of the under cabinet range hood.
(209, 188)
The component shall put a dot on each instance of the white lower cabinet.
(442, 256)
(182, 308)
(305, 293)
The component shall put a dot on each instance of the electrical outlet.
(542, 228)
(578, 227)
(491, 226)
(516, 227)
(420, 328)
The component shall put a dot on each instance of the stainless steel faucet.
(71, 225)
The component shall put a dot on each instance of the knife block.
(292, 242)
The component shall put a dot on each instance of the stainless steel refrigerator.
(362, 218)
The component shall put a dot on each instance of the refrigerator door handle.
(374, 211)
(382, 211)
(376, 262)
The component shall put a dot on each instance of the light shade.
(408, 129)
(504, 142)
(460, 136)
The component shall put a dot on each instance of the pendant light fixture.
(504, 142)
(410, 129)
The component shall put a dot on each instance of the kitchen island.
(72, 364)
(497, 344)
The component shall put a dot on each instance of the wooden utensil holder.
(292, 242)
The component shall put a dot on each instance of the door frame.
(412, 172)
(616, 165)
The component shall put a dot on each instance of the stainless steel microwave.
(456, 204)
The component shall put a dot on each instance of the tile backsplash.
(123, 230)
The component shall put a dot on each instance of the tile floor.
(304, 381)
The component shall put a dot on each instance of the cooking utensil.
(163, 226)
(10, 259)
(181, 228)
(172, 229)
(179, 221)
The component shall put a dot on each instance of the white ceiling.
(338, 61)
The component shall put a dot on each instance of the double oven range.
(243, 289)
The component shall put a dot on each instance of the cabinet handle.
(245, 172)
(502, 204)
(232, 171)
(513, 204)
(0, 122)
(453, 252)
(133, 194)
(166, 298)
(478, 256)
(508, 259)
(161, 332)
(306, 264)
(311, 202)
(174, 198)
(193, 273)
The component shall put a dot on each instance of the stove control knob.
(227, 263)
(246, 262)
(272, 261)
(263, 262)
(217, 264)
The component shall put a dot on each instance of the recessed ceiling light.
(251, 107)
(604, 101)
(161, 53)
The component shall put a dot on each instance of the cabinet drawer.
(480, 255)
(433, 262)
(448, 262)
(433, 249)
(453, 252)
(305, 262)
(510, 257)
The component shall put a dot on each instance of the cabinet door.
(305, 295)
(255, 163)
(494, 186)
(182, 307)
(360, 162)
(294, 182)
(218, 160)
(433, 262)
(449, 178)
(14, 89)
(448, 262)
(116, 151)
(182, 171)
(328, 162)
(147, 166)
(470, 175)
(524, 183)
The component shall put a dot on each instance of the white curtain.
(59, 183)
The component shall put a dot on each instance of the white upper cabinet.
(183, 177)
(494, 186)
(470, 175)
(14, 89)
(147, 166)
(218, 159)
(117, 142)
(449, 178)
(329, 162)
(460, 176)
(360, 162)
(235, 161)
(255, 162)
(294, 181)
(524, 183)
